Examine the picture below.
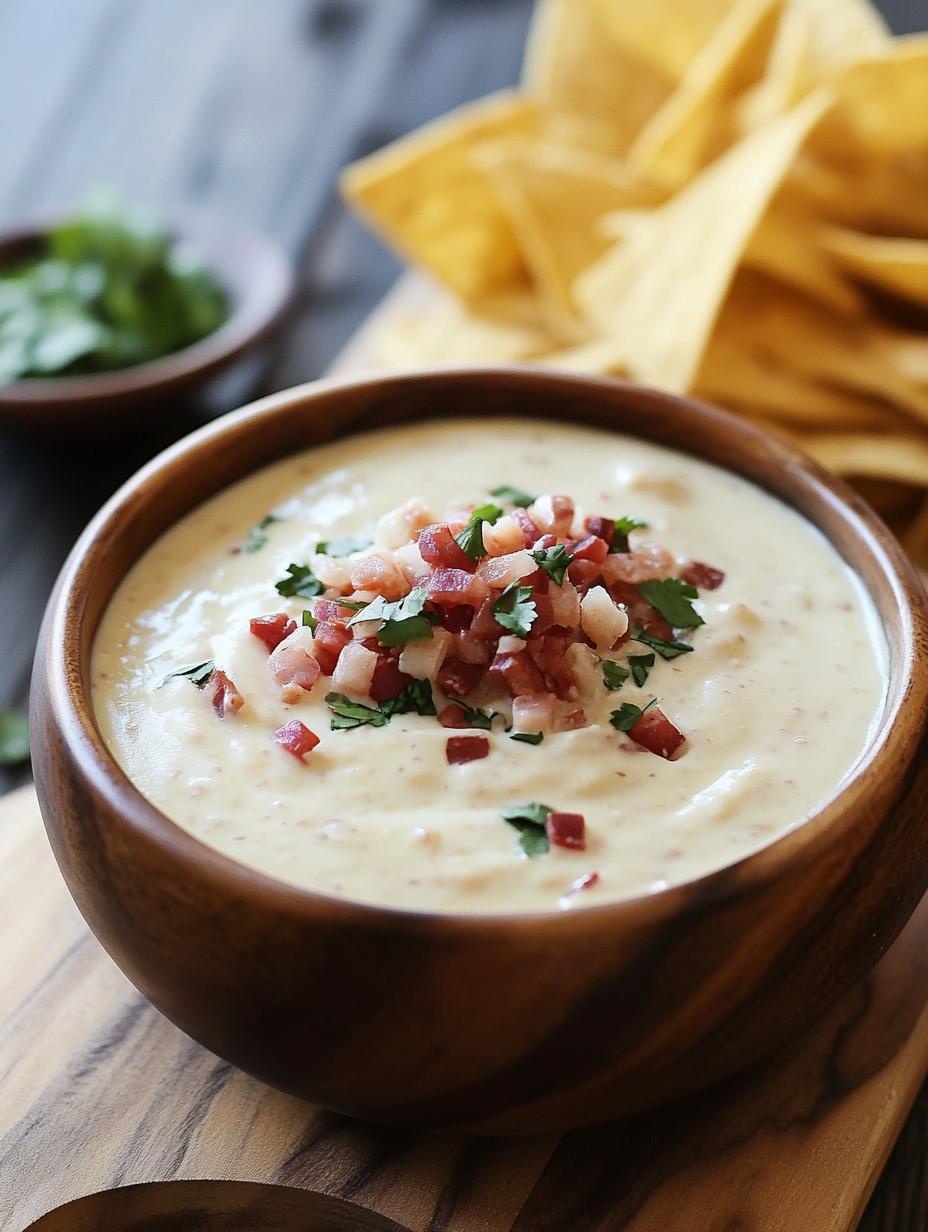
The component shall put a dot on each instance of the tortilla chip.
(902, 457)
(896, 265)
(884, 99)
(907, 353)
(784, 247)
(593, 91)
(435, 207)
(658, 294)
(663, 32)
(555, 197)
(691, 128)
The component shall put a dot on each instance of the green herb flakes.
(671, 597)
(614, 674)
(470, 539)
(198, 674)
(666, 649)
(309, 620)
(416, 698)
(477, 718)
(528, 737)
(641, 668)
(623, 528)
(257, 539)
(529, 820)
(555, 562)
(401, 622)
(343, 547)
(512, 496)
(515, 610)
(301, 582)
(627, 715)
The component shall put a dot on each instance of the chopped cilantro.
(554, 561)
(627, 715)
(256, 536)
(515, 609)
(401, 622)
(470, 539)
(342, 547)
(477, 718)
(14, 738)
(529, 820)
(623, 528)
(416, 698)
(301, 582)
(198, 674)
(671, 597)
(512, 496)
(667, 650)
(641, 666)
(614, 674)
(528, 737)
(309, 620)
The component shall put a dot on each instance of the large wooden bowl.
(495, 1023)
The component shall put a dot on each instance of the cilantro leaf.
(256, 536)
(671, 597)
(347, 714)
(416, 698)
(470, 539)
(529, 820)
(512, 496)
(515, 609)
(342, 547)
(667, 650)
(554, 561)
(301, 582)
(198, 674)
(401, 622)
(477, 718)
(623, 528)
(309, 620)
(14, 738)
(614, 674)
(641, 666)
(528, 737)
(628, 714)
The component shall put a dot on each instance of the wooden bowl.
(489, 1023)
(255, 275)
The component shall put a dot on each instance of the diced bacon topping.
(655, 732)
(461, 749)
(501, 571)
(553, 515)
(437, 547)
(567, 830)
(530, 531)
(388, 680)
(398, 526)
(504, 536)
(296, 738)
(329, 640)
(452, 587)
(590, 548)
(518, 672)
(453, 716)
(645, 562)
(334, 572)
(271, 630)
(458, 679)
(294, 666)
(377, 571)
(331, 610)
(224, 695)
(705, 577)
(586, 882)
(533, 713)
(602, 528)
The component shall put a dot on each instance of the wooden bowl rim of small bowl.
(892, 746)
(250, 267)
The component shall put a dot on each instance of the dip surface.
(777, 700)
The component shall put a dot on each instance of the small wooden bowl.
(259, 283)
(492, 1023)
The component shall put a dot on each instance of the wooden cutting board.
(97, 1090)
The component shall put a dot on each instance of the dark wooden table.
(248, 107)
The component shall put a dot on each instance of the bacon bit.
(293, 666)
(586, 882)
(457, 678)
(329, 640)
(602, 528)
(703, 576)
(552, 514)
(528, 528)
(453, 716)
(458, 619)
(568, 716)
(272, 629)
(544, 613)
(548, 651)
(499, 571)
(648, 560)
(519, 673)
(567, 830)
(591, 548)
(388, 681)
(437, 547)
(461, 749)
(655, 732)
(471, 649)
(296, 738)
(377, 571)
(225, 696)
(640, 612)
(331, 610)
(533, 713)
(503, 536)
(452, 587)
(584, 574)
(484, 624)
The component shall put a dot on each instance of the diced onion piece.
(334, 572)
(437, 546)
(582, 666)
(565, 605)
(224, 695)
(601, 619)
(421, 660)
(409, 559)
(648, 560)
(271, 630)
(567, 830)
(533, 713)
(511, 645)
(354, 671)
(504, 536)
(501, 571)
(453, 587)
(461, 749)
(471, 649)
(296, 738)
(655, 732)
(519, 673)
(294, 665)
(401, 525)
(553, 514)
(377, 571)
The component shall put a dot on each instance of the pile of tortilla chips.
(720, 197)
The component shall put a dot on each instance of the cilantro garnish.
(623, 528)
(671, 597)
(416, 698)
(309, 620)
(14, 738)
(401, 622)
(512, 496)
(198, 674)
(301, 581)
(554, 561)
(470, 539)
(256, 536)
(529, 820)
(627, 715)
(342, 547)
(614, 674)
(477, 718)
(515, 609)
(641, 666)
(528, 737)
(667, 650)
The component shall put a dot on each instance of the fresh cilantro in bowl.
(109, 289)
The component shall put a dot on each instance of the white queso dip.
(489, 666)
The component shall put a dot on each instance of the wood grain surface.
(97, 1090)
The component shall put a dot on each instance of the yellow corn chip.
(429, 200)
(665, 33)
(902, 457)
(884, 99)
(555, 197)
(594, 92)
(897, 265)
(657, 295)
(784, 246)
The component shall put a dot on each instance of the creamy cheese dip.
(777, 700)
